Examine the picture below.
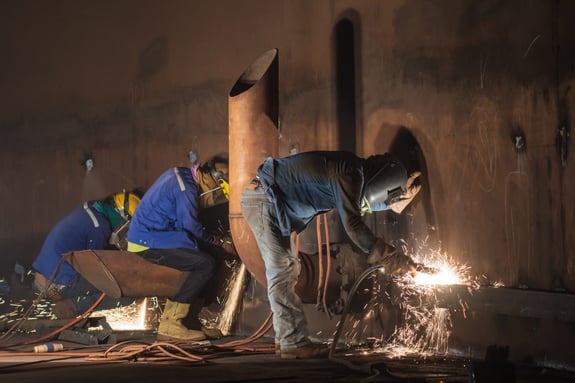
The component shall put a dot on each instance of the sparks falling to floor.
(140, 315)
(409, 305)
(232, 300)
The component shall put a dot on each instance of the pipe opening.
(254, 72)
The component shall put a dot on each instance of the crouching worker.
(90, 226)
(166, 230)
(288, 193)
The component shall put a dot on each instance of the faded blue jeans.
(282, 269)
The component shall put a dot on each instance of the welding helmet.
(385, 186)
(126, 203)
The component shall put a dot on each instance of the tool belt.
(52, 291)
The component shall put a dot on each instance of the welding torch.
(421, 268)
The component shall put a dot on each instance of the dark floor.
(124, 356)
(82, 363)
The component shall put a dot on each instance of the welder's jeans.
(282, 269)
(198, 263)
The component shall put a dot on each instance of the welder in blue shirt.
(88, 227)
(289, 192)
(166, 230)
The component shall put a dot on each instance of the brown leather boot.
(308, 351)
(64, 309)
(192, 321)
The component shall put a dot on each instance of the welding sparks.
(426, 327)
(446, 274)
(419, 325)
(231, 304)
(132, 317)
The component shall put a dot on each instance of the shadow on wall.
(347, 52)
(418, 220)
(19, 251)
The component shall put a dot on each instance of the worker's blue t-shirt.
(83, 229)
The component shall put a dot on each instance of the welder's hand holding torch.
(421, 268)
(391, 259)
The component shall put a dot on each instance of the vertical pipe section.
(253, 135)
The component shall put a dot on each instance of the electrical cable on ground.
(376, 370)
(341, 323)
(328, 266)
(323, 281)
(10, 332)
(16, 326)
(157, 351)
(59, 330)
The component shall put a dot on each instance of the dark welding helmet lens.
(386, 186)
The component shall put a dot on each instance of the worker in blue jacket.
(87, 227)
(284, 198)
(166, 230)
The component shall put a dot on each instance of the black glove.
(392, 260)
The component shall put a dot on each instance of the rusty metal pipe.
(253, 135)
(124, 274)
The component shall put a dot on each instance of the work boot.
(192, 320)
(171, 326)
(212, 333)
(64, 309)
(307, 351)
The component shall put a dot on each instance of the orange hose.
(261, 331)
(320, 255)
(54, 354)
(57, 331)
(328, 266)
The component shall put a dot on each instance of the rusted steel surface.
(124, 274)
(510, 302)
(253, 136)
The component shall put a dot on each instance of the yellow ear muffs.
(225, 186)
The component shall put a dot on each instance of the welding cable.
(323, 277)
(382, 370)
(296, 240)
(59, 330)
(16, 326)
(261, 331)
(368, 272)
(320, 257)
(328, 266)
(60, 354)
(144, 351)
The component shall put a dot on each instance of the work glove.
(392, 260)
(411, 191)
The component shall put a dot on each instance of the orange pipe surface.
(120, 273)
(253, 136)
